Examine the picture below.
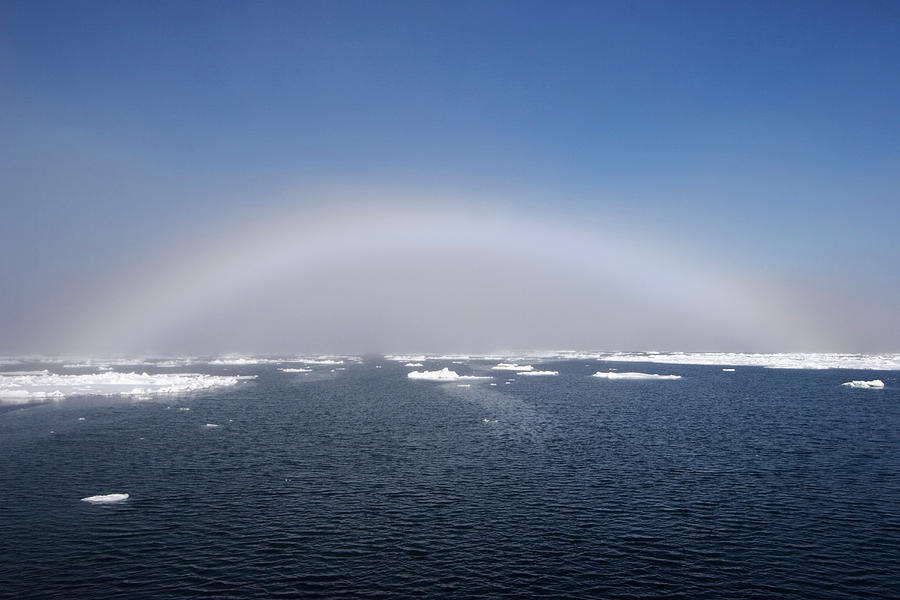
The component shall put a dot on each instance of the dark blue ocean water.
(361, 483)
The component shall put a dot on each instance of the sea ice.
(300, 370)
(539, 373)
(512, 367)
(728, 370)
(211, 425)
(413, 364)
(876, 384)
(23, 388)
(795, 360)
(617, 376)
(444, 374)
(106, 498)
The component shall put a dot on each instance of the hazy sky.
(458, 176)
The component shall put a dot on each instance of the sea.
(349, 479)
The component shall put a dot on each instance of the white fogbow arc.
(254, 256)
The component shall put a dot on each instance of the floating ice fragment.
(875, 384)
(413, 364)
(728, 370)
(616, 376)
(300, 370)
(81, 418)
(28, 387)
(464, 385)
(444, 374)
(539, 373)
(512, 367)
(106, 498)
(211, 425)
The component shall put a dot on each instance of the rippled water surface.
(362, 483)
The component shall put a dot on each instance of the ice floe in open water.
(875, 384)
(444, 374)
(24, 388)
(512, 367)
(106, 498)
(618, 376)
(539, 373)
(793, 360)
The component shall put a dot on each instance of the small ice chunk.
(875, 384)
(81, 418)
(617, 376)
(466, 385)
(300, 370)
(413, 364)
(539, 373)
(211, 425)
(105, 498)
(728, 370)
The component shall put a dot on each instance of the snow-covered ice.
(617, 376)
(211, 425)
(106, 498)
(512, 367)
(444, 374)
(24, 388)
(413, 364)
(876, 384)
(298, 370)
(795, 360)
(539, 373)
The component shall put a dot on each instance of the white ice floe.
(876, 384)
(106, 498)
(464, 385)
(413, 364)
(617, 376)
(728, 370)
(444, 374)
(405, 357)
(796, 360)
(211, 425)
(299, 370)
(11, 373)
(320, 361)
(512, 367)
(539, 373)
(24, 388)
(241, 361)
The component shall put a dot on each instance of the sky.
(207, 177)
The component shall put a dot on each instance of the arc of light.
(263, 253)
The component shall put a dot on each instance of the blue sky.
(766, 134)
